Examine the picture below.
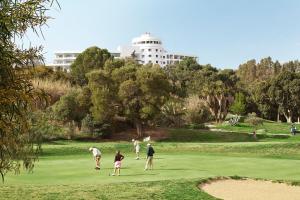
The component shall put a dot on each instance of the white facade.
(63, 60)
(145, 49)
(149, 49)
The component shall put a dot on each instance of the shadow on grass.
(145, 174)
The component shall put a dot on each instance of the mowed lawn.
(65, 169)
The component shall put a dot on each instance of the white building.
(63, 60)
(149, 49)
(145, 49)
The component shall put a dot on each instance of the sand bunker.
(251, 190)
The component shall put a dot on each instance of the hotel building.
(145, 49)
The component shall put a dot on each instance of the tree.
(91, 58)
(181, 74)
(216, 89)
(132, 92)
(17, 95)
(239, 105)
(73, 106)
(253, 120)
(269, 109)
(284, 90)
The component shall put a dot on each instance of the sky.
(224, 33)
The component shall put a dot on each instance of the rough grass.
(268, 127)
(147, 190)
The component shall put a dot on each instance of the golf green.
(174, 164)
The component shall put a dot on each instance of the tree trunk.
(78, 124)
(139, 128)
(288, 116)
(278, 115)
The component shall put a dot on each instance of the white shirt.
(137, 145)
(96, 152)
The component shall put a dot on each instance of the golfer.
(150, 153)
(97, 156)
(136, 145)
(117, 165)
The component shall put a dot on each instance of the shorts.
(137, 149)
(118, 164)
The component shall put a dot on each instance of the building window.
(151, 42)
(142, 50)
(156, 56)
(156, 50)
(147, 42)
(143, 56)
(149, 55)
(149, 61)
(164, 62)
(149, 49)
(156, 62)
(164, 56)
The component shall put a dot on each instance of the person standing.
(117, 164)
(137, 147)
(150, 153)
(97, 156)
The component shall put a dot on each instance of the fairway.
(80, 169)
(68, 168)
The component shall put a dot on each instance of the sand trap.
(251, 190)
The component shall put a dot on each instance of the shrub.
(195, 126)
(172, 113)
(88, 124)
(55, 89)
(43, 126)
(254, 120)
(196, 111)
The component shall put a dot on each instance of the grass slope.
(268, 127)
(65, 169)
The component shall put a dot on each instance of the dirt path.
(251, 190)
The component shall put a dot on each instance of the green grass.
(268, 127)
(145, 190)
(65, 169)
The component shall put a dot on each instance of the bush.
(88, 124)
(195, 126)
(55, 89)
(172, 113)
(42, 125)
(254, 120)
(196, 111)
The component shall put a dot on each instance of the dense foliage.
(17, 94)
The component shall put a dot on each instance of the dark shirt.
(150, 151)
(119, 157)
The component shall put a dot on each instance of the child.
(97, 156)
(118, 158)
(136, 145)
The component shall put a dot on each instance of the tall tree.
(181, 74)
(285, 89)
(131, 92)
(91, 58)
(216, 88)
(239, 105)
(17, 94)
(73, 106)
